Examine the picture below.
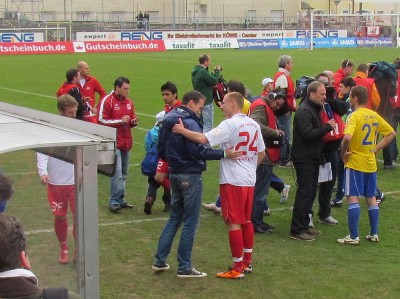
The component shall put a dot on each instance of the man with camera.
(283, 80)
(203, 81)
(262, 111)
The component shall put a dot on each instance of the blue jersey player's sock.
(373, 214)
(353, 214)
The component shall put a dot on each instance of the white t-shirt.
(60, 173)
(242, 133)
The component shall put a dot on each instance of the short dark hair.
(194, 96)
(348, 82)
(12, 243)
(170, 86)
(362, 68)
(121, 80)
(71, 74)
(346, 62)
(65, 101)
(237, 86)
(6, 187)
(361, 93)
(313, 86)
(237, 97)
(203, 58)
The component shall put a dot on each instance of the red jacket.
(273, 153)
(290, 100)
(91, 87)
(339, 76)
(112, 109)
(374, 100)
(73, 90)
(168, 108)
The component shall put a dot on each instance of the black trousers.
(307, 183)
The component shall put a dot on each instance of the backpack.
(220, 90)
(150, 160)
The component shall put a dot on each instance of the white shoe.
(373, 238)
(212, 207)
(284, 194)
(267, 212)
(328, 220)
(349, 240)
(311, 223)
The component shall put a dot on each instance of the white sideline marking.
(43, 231)
(46, 231)
(53, 97)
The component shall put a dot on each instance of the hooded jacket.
(184, 156)
(203, 81)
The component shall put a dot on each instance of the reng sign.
(142, 35)
(17, 37)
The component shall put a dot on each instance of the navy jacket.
(184, 156)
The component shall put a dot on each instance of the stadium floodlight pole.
(398, 31)
(311, 32)
(173, 14)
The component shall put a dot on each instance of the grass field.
(283, 268)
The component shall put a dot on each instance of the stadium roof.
(305, 5)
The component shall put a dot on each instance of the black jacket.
(184, 156)
(308, 131)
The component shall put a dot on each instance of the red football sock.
(236, 244)
(61, 228)
(248, 242)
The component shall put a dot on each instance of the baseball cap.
(265, 81)
(160, 117)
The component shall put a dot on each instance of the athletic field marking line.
(53, 97)
(45, 231)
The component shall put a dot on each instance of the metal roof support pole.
(87, 224)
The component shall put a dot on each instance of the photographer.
(262, 111)
(203, 81)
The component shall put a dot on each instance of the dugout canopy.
(91, 148)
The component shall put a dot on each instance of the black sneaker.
(115, 208)
(161, 267)
(336, 204)
(126, 205)
(191, 274)
(389, 167)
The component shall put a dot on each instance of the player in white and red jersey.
(59, 178)
(237, 177)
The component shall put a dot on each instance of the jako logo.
(297, 43)
(16, 37)
(141, 35)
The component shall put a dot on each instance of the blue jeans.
(185, 208)
(118, 180)
(285, 124)
(208, 117)
(264, 175)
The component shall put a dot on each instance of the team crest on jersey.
(128, 106)
(116, 107)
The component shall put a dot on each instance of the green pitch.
(283, 268)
